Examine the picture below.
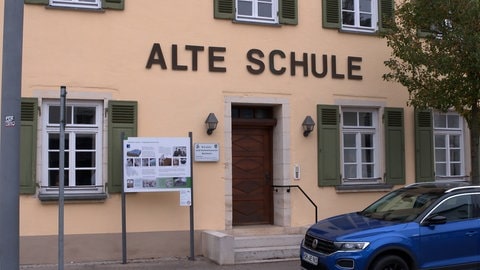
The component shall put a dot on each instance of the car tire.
(390, 262)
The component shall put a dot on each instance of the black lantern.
(308, 125)
(211, 123)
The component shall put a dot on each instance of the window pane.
(54, 176)
(367, 140)
(54, 159)
(350, 119)
(367, 155)
(349, 140)
(365, 5)
(367, 171)
(54, 115)
(453, 121)
(455, 155)
(440, 121)
(350, 171)
(348, 5)
(85, 141)
(440, 155)
(454, 141)
(85, 177)
(440, 169)
(366, 20)
(84, 115)
(440, 141)
(54, 141)
(85, 159)
(349, 155)
(365, 119)
(265, 10)
(455, 169)
(348, 18)
(245, 8)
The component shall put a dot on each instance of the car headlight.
(351, 246)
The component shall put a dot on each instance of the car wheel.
(390, 262)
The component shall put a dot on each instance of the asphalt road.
(199, 263)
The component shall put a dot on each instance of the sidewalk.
(200, 263)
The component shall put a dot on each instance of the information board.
(157, 164)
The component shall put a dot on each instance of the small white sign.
(207, 152)
(186, 197)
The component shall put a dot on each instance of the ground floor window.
(83, 146)
(448, 144)
(359, 143)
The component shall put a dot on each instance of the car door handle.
(472, 233)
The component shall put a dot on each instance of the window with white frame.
(93, 4)
(359, 15)
(449, 145)
(257, 11)
(83, 146)
(360, 152)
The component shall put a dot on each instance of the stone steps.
(252, 244)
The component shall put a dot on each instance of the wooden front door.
(252, 175)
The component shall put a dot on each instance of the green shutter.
(394, 146)
(43, 2)
(113, 4)
(28, 145)
(288, 12)
(328, 145)
(122, 120)
(385, 14)
(424, 158)
(331, 13)
(224, 9)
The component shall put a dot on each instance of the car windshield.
(403, 205)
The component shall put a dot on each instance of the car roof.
(443, 186)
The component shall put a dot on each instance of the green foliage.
(436, 56)
(436, 53)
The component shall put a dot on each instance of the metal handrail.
(288, 187)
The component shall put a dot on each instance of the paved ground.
(200, 263)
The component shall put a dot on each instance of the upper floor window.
(257, 11)
(81, 4)
(448, 144)
(357, 15)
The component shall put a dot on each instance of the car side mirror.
(434, 220)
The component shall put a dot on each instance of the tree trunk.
(474, 139)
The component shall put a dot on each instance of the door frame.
(281, 156)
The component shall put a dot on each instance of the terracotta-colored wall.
(105, 54)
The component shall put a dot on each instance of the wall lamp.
(308, 125)
(211, 123)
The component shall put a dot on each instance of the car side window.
(460, 207)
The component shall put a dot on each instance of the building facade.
(149, 68)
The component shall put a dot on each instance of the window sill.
(363, 188)
(358, 32)
(46, 197)
(257, 23)
(96, 10)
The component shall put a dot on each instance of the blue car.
(421, 226)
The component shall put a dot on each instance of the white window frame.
(90, 4)
(255, 17)
(72, 131)
(375, 147)
(357, 27)
(447, 132)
